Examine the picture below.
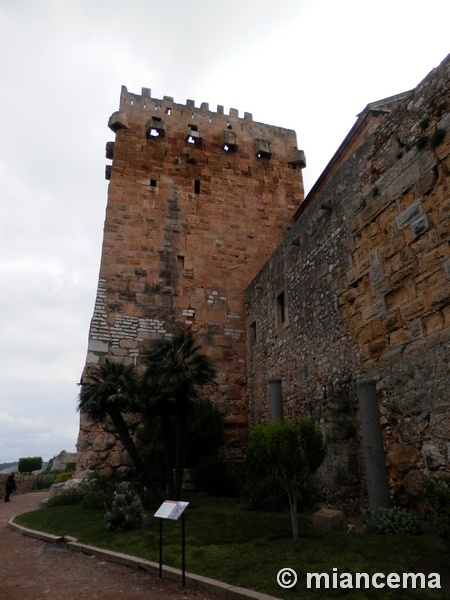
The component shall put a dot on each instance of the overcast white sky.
(308, 65)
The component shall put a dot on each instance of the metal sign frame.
(173, 510)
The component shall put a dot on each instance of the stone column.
(376, 476)
(276, 400)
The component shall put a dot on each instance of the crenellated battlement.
(150, 117)
(146, 100)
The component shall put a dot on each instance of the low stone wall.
(25, 483)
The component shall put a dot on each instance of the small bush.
(435, 495)
(70, 466)
(98, 492)
(64, 476)
(393, 520)
(45, 480)
(126, 512)
(73, 496)
(261, 493)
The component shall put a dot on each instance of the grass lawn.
(228, 542)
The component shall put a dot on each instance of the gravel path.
(31, 569)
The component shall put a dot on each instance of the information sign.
(171, 509)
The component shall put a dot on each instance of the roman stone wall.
(363, 280)
(197, 202)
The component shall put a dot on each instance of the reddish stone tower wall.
(197, 203)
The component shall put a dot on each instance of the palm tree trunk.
(130, 446)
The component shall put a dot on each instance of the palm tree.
(176, 369)
(112, 389)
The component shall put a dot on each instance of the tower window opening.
(197, 186)
(152, 182)
(168, 111)
(154, 132)
(281, 309)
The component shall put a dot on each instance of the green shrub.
(98, 492)
(70, 466)
(393, 520)
(435, 495)
(73, 496)
(126, 512)
(261, 493)
(64, 476)
(45, 480)
(29, 464)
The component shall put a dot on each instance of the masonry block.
(327, 518)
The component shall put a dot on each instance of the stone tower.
(197, 202)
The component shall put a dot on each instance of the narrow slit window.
(152, 182)
(197, 186)
(281, 309)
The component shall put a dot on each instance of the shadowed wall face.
(364, 276)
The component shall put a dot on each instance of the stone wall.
(360, 288)
(24, 483)
(197, 202)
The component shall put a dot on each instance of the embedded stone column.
(377, 485)
(276, 400)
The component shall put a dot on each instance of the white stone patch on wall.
(99, 329)
(234, 315)
(98, 346)
(214, 298)
(236, 334)
(124, 336)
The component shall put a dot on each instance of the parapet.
(198, 126)
(127, 97)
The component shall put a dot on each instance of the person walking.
(10, 486)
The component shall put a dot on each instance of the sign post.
(173, 510)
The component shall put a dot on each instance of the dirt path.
(34, 570)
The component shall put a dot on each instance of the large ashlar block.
(327, 518)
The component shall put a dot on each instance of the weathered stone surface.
(403, 456)
(386, 316)
(327, 518)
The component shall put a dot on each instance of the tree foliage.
(29, 464)
(112, 389)
(176, 371)
(288, 451)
